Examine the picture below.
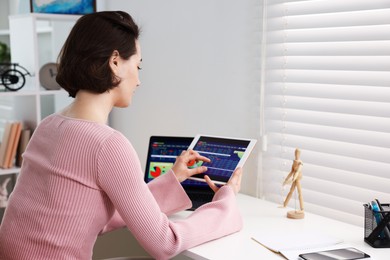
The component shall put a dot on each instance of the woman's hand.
(180, 168)
(234, 182)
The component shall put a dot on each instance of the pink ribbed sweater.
(80, 179)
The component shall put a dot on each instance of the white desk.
(260, 215)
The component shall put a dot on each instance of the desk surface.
(260, 215)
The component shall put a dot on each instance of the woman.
(81, 178)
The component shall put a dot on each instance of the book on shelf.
(10, 144)
(14, 144)
(4, 142)
(24, 139)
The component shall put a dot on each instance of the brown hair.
(83, 62)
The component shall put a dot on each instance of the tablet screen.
(162, 153)
(226, 154)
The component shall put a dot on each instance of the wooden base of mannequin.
(296, 214)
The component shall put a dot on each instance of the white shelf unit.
(4, 33)
(35, 39)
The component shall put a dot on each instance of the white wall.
(200, 72)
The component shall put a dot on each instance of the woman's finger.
(197, 170)
(192, 155)
(235, 180)
(211, 184)
(237, 176)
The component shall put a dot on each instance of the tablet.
(226, 154)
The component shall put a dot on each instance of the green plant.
(4, 53)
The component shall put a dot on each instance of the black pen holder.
(377, 227)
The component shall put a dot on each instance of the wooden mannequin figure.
(294, 177)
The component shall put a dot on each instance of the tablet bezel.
(249, 148)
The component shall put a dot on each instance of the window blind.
(327, 92)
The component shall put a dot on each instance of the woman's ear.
(114, 59)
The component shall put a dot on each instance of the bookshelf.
(35, 39)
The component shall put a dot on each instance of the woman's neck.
(90, 106)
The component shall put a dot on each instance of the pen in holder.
(377, 226)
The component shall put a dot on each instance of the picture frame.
(75, 7)
(7, 184)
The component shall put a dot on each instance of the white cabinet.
(35, 39)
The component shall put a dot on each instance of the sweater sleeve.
(120, 176)
(169, 195)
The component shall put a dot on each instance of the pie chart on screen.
(191, 164)
(158, 168)
(155, 171)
